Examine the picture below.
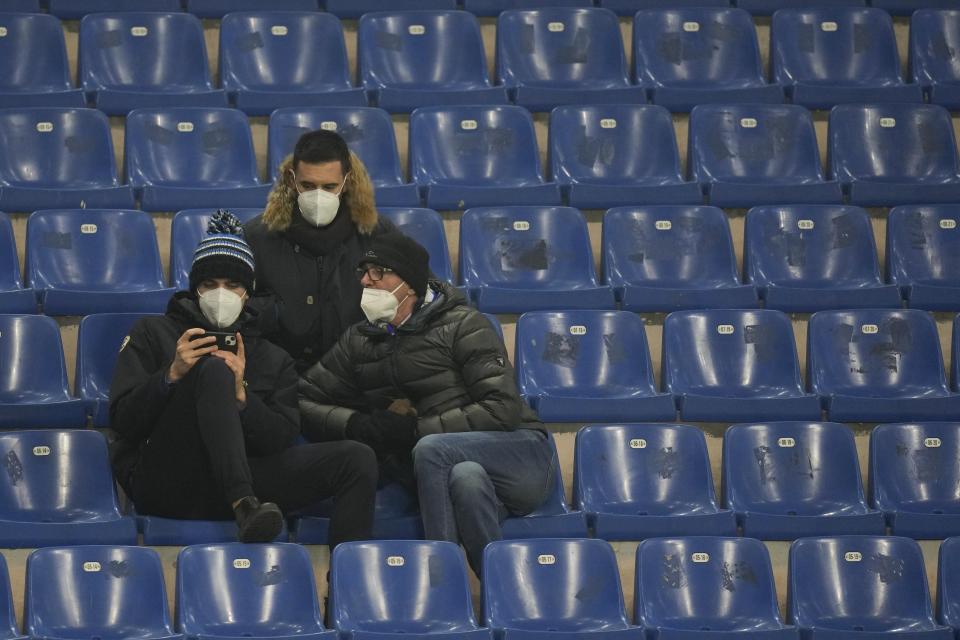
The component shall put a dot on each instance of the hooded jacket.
(318, 296)
(447, 359)
(139, 392)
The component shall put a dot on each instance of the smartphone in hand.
(226, 340)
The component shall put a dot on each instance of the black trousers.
(195, 465)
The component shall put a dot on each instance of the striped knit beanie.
(224, 253)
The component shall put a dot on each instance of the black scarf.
(320, 241)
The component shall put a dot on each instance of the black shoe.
(257, 522)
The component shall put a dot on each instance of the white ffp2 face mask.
(379, 305)
(220, 306)
(319, 207)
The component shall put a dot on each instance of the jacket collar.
(445, 298)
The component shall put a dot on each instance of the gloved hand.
(397, 432)
(362, 428)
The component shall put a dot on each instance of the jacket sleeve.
(138, 392)
(487, 375)
(271, 421)
(329, 393)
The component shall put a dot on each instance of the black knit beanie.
(404, 255)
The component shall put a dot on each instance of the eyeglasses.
(373, 272)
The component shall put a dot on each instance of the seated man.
(428, 372)
(205, 433)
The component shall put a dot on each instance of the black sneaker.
(258, 522)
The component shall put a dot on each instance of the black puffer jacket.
(447, 359)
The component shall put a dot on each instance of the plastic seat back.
(495, 7)
(948, 569)
(76, 9)
(21, 6)
(33, 339)
(934, 38)
(33, 62)
(123, 588)
(923, 255)
(8, 620)
(426, 227)
(189, 227)
(221, 8)
(13, 297)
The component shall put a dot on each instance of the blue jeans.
(469, 482)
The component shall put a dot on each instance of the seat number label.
(828, 26)
(416, 30)
(725, 329)
(41, 451)
(279, 30)
(395, 561)
(691, 27)
(578, 330)
(91, 567)
(556, 27)
(888, 123)
(663, 225)
(328, 125)
(3, 32)
(786, 443)
(184, 127)
(748, 123)
(638, 443)
(608, 123)
(932, 443)
(468, 125)
(44, 127)
(700, 558)
(853, 556)
(139, 32)
(805, 225)
(241, 563)
(869, 329)
(547, 558)
(948, 224)
(521, 225)
(88, 228)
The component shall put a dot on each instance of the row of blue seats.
(821, 57)
(685, 588)
(800, 258)
(470, 156)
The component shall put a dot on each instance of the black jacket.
(447, 359)
(139, 393)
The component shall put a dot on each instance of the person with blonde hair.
(320, 218)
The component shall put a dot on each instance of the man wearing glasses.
(425, 381)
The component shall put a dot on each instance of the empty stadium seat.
(112, 593)
(687, 56)
(908, 7)
(247, 591)
(788, 480)
(396, 516)
(948, 598)
(495, 7)
(923, 255)
(426, 227)
(278, 59)
(707, 587)
(560, 55)
(894, 154)
(84, 261)
(54, 157)
(477, 156)
(36, 395)
(934, 60)
(860, 586)
(13, 297)
(188, 228)
(76, 9)
(824, 56)
(879, 365)
(732, 365)
(913, 478)
(192, 157)
(630, 7)
(814, 257)
(220, 8)
(746, 155)
(367, 131)
(427, 585)
(33, 63)
(638, 481)
(538, 588)
(356, 8)
(612, 155)
(664, 258)
(8, 620)
(575, 366)
(139, 59)
(58, 489)
(99, 340)
(768, 7)
(516, 259)
(419, 58)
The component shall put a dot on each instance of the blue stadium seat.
(121, 590)
(516, 259)
(614, 155)
(630, 7)
(814, 257)
(734, 366)
(913, 478)
(427, 585)
(638, 481)
(788, 480)
(495, 7)
(76, 9)
(696, 55)
(830, 55)
(247, 591)
(707, 587)
(165, 532)
(356, 8)
(36, 395)
(948, 597)
(220, 8)
(20, 6)
(8, 620)
(33, 63)
(746, 155)
(908, 7)
(192, 157)
(561, 55)
(188, 228)
(769, 7)
(84, 261)
(276, 59)
(426, 227)
(665, 258)
(934, 55)
(588, 366)
(99, 340)
(54, 157)
(58, 489)
(421, 58)
(368, 132)
(923, 255)
(860, 586)
(543, 588)
(879, 365)
(13, 297)
(477, 156)
(143, 59)
(894, 154)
